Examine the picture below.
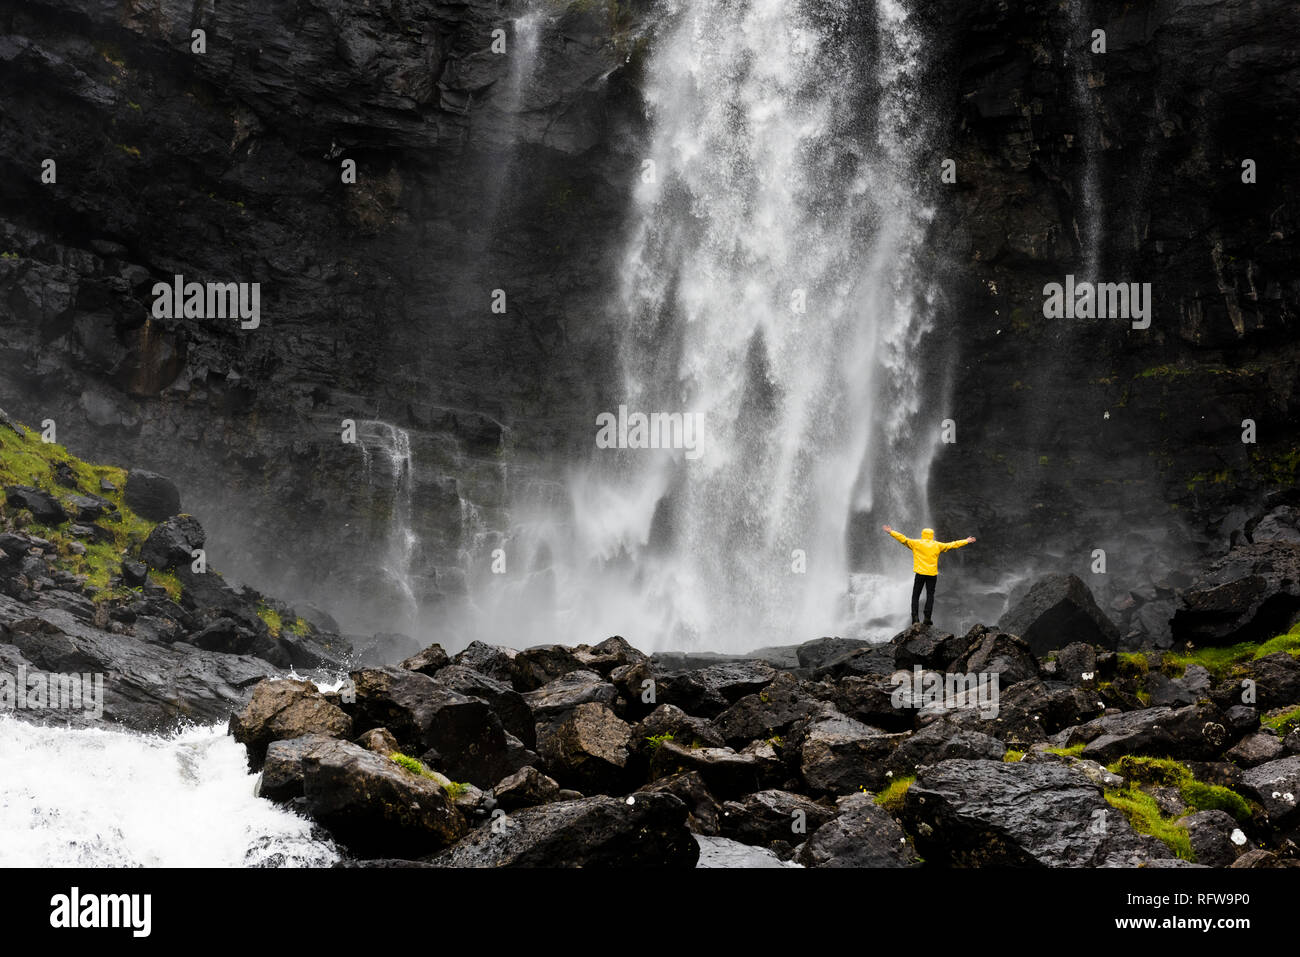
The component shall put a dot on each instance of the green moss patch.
(1073, 751)
(1144, 816)
(26, 460)
(1166, 772)
(1283, 721)
(891, 798)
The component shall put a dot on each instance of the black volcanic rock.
(464, 732)
(773, 816)
(645, 829)
(282, 710)
(1250, 594)
(862, 834)
(171, 542)
(151, 495)
(375, 807)
(1059, 610)
(45, 508)
(1020, 814)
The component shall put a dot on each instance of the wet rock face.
(1151, 135)
(282, 710)
(645, 829)
(1043, 816)
(374, 805)
(229, 173)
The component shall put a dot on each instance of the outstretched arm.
(899, 536)
(959, 543)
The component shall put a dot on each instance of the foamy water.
(96, 798)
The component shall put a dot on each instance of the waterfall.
(768, 285)
(389, 469)
(97, 798)
(1078, 59)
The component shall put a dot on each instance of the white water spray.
(389, 468)
(95, 798)
(768, 283)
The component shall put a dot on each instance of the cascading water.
(1077, 56)
(389, 468)
(769, 285)
(95, 798)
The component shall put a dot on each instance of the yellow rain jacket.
(925, 550)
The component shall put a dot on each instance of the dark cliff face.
(478, 172)
(1080, 434)
(376, 297)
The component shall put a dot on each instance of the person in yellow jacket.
(925, 562)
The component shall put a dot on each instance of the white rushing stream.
(98, 798)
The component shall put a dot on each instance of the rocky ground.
(599, 755)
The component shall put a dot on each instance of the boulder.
(1276, 786)
(704, 812)
(724, 853)
(170, 543)
(1216, 839)
(867, 661)
(611, 653)
(525, 788)
(862, 834)
(645, 829)
(555, 700)
(467, 738)
(282, 709)
(941, 741)
(375, 807)
(1255, 749)
(1192, 732)
(491, 660)
(508, 704)
(90, 508)
(991, 651)
(707, 692)
(773, 817)
(926, 646)
(1280, 524)
(151, 495)
(281, 777)
(725, 772)
(542, 664)
(428, 662)
(1059, 610)
(1021, 814)
(638, 683)
(588, 750)
(1076, 664)
(1277, 680)
(380, 741)
(870, 699)
(822, 651)
(134, 574)
(836, 754)
(233, 638)
(668, 720)
(772, 711)
(45, 508)
(1250, 594)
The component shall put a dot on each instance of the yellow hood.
(927, 534)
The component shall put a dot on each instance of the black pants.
(926, 582)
